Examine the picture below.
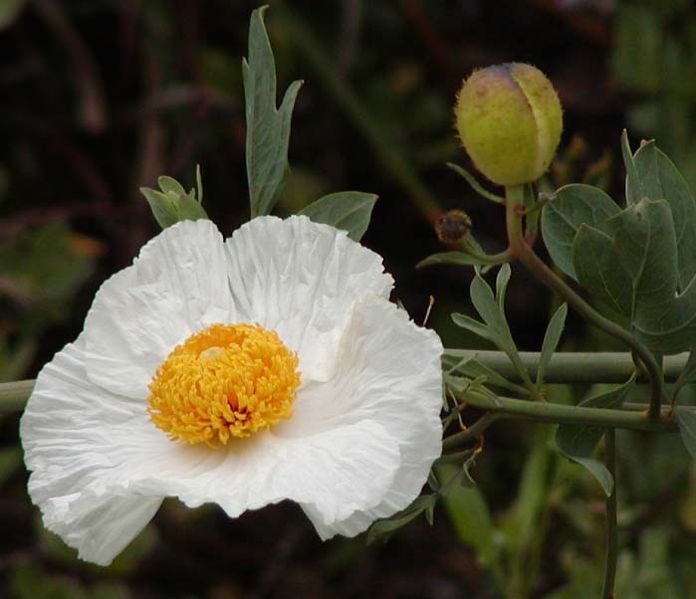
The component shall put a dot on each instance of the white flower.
(356, 444)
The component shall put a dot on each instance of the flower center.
(224, 381)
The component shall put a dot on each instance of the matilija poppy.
(244, 372)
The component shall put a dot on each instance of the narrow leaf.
(346, 210)
(475, 185)
(578, 442)
(551, 340)
(472, 368)
(501, 282)
(383, 529)
(268, 128)
(474, 326)
(456, 258)
(633, 185)
(471, 519)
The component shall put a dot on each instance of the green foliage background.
(98, 99)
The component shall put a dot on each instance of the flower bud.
(453, 226)
(509, 120)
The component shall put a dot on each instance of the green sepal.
(173, 204)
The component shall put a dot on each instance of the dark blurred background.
(99, 97)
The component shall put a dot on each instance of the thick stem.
(564, 414)
(541, 271)
(612, 525)
(568, 367)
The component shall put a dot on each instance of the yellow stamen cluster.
(222, 382)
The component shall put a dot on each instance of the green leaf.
(551, 340)
(686, 419)
(475, 327)
(501, 282)
(475, 185)
(634, 193)
(490, 308)
(170, 185)
(572, 206)
(632, 275)
(383, 529)
(456, 258)
(471, 518)
(647, 250)
(660, 179)
(597, 271)
(472, 368)
(578, 442)
(172, 204)
(346, 210)
(268, 127)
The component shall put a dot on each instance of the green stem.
(568, 367)
(472, 432)
(13, 396)
(612, 526)
(519, 247)
(564, 414)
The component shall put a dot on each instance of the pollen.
(225, 381)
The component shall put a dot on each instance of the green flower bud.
(509, 120)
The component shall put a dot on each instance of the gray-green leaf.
(660, 179)
(346, 210)
(572, 206)
(551, 340)
(268, 127)
(578, 442)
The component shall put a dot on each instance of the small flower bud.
(453, 226)
(509, 120)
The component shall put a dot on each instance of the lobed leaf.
(573, 206)
(268, 127)
(660, 179)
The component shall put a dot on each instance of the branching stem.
(525, 254)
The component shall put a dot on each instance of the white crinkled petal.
(66, 434)
(301, 279)
(390, 374)
(176, 286)
(100, 468)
